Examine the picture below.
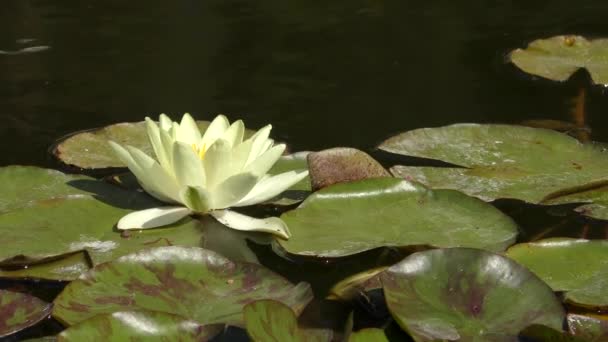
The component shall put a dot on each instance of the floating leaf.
(588, 328)
(349, 218)
(501, 161)
(139, 326)
(342, 164)
(19, 311)
(541, 333)
(579, 267)
(368, 335)
(596, 198)
(269, 320)
(57, 220)
(468, 295)
(190, 282)
(557, 58)
(357, 284)
(64, 268)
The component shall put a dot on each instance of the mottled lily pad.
(468, 295)
(557, 58)
(63, 218)
(190, 282)
(342, 164)
(596, 199)
(588, 328)
(579, 267)
(19, 311)
(269, 320)
(349, 218)
(501, 161)
(139, 326)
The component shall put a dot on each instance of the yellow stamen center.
(200, 151)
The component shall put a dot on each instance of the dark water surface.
(324, 73)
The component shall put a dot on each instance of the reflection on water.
(347, 72)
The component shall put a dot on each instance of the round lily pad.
(349, 218)
(501, 161)
(68, 214)
(589, 328)
(19, 311)
(270, 320)
(190, 282)
(557, 58)
(139, 326)
(468, 295)
(579, 267)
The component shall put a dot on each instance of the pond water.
(346, 73)
(325, 74)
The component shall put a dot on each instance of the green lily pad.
(368, 335)
(357, 284)
(189, 282)
(139, 326)
(578, 267)
(56, 220)
(588, 328)
(557, 58)
(597, 200)
(349, 218)
(342, 164)
(64, 268)
(501, 161)
(541, 333)
(19, 311)
(269, 320)
(468, 295)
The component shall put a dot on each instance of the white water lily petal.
(258, 143)
(218, 163)
(165, 122)
(157, 144)
(196, 198)
(152, 218)
(232, 190)
(240, 153)
(167, 144)
(234, 220)
(153, 178)
(188, 166)
(234, 134)
(270, 187)
(216, 130)
(263, 163)
(188, 131)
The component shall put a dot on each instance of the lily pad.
(368, 335)
(55, 220)
(579, 267)
(502, 161)
(342, 164)
(588, 328)
(597, 200)
(269, 320)
(19, 311)
(64, 268)
(350, 218)
(468, 295)
(557, 58)
(189, 282)
(139, 326)
(357, 284)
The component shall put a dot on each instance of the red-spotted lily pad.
(48, 214)
(588, 328)
(269, 320)
(557, 58)
(191, 282)
(349, 218)
(19, 311)
(501, 161)
(577, 266)
(468, 295)
(139, 326)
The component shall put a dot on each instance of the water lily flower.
(207, 173)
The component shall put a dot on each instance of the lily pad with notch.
(467, 294)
